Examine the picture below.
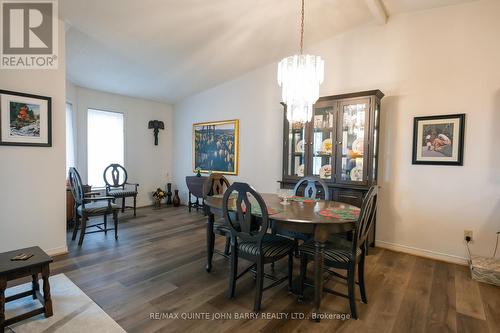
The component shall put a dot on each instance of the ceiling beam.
(378, 11)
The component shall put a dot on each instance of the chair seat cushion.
(340, 251)
(97, 207)
(272, 246)
(122, 193)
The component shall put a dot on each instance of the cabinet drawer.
(349, 197)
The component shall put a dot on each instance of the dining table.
(319, 218)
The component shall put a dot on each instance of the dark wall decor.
(215, 147)
(156, 125)
(439, 140)
(25, 119)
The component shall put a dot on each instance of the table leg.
(35, 285)
(47, 301)
(189, 204)
(210, 240)
(318, 278)
(3, 286)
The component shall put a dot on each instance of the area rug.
(73, 311)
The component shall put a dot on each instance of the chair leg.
(234, 272)
(260, 285)
(210, 241)
(135, 205)
(123, 204)
(361, 279)
(290, 271)
(228, 245)
(303, 275)
(75, 229)
(105, 224)
(83, 229)
(115, 219)
(352, 290)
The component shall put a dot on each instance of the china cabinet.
(339, 145)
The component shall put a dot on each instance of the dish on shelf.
(353, 154)
(300, 170)
(358, 145)
(326, 147)
(325, 171)
(299, 147)
(357, 174)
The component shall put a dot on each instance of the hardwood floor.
(156, 268)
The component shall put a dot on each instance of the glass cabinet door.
(353, 141)
(296, 150)
(323, 142)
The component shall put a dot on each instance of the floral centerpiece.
(159, 195)
(198, 172)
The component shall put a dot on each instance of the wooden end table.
(10, 270)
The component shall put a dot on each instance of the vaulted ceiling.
(166, 50)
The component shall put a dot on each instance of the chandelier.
(300, 76)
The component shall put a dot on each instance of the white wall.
(146, 164)
(32, 179)
(439, 61)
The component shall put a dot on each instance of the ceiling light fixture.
(300, 76)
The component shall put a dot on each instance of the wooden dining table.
(316, 217)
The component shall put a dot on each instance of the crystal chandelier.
(300, 76)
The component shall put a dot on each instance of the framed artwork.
(439, 140)
(25, 119)
(215, 147)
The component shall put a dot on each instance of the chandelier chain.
(302, 30)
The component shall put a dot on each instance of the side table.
(11, 270)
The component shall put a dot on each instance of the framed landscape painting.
(25, 120)
(439, 140)
(215, 147)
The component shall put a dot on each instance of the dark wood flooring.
(157, 268)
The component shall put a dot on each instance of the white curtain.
(105, 143)
(70, 139)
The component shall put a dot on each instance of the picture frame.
(216, 147)
(439, 140)
(25, 119)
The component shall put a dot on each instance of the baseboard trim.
(57, 251)
(422, 252)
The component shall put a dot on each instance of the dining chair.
(217, 184)
(253, 244)
(88, 205)
(307, 188)
(346, 255)
(311, 190)
(116, 176)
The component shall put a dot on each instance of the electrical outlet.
(468, 233)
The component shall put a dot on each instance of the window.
(70, 138)
(105, 143)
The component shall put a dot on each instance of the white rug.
(73, 310)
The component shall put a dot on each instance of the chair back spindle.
(238, 213)
(215, 184)
(76, 186)
(310, 190)
(366, 217)
(115, 176)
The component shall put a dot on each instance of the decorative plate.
(299, 148)
(326, 147)
(357, 174)
(325, 171)
(358, 146)
(300, 170)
